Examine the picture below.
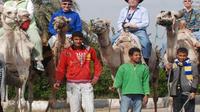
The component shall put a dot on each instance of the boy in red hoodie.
(74, 64)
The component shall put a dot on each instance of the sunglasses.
(66, 3)
(187, 1)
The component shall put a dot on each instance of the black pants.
(178, 102)
(1, 109)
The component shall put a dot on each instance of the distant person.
(184, 78)
(133, 81)
(66, 11)
(136, 19)
(192, 18)
(75, 65)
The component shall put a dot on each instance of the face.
(77, 41)
(66, 6)
(133, 3)
(187, 3)
(182, 56)
(136, 57)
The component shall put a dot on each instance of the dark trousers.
(1, 109)
(178, 102)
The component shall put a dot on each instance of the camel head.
(9, 17)
(100, 26)
(61, 24)
(168, 18)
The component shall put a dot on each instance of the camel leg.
(30, 95)
(16, 101)
(50, 70)
(30, 89)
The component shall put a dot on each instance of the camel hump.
(125, 41)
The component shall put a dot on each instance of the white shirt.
(140, 17)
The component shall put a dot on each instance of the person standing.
(133, 81)
(184, 78)
(135, 18)
(74, 65)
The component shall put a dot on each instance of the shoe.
(39, 66)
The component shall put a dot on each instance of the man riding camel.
(191, 18)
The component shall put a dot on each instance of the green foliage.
(101, 89)
(162, 83)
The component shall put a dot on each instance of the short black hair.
(77, 34)
(182, 50)
(133, 50)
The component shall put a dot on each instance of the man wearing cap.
(75, 23)
(74, 64)
(136, 19)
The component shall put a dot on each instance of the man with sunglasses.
(66, 10)
(192, 18)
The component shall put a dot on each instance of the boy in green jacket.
(133, 81)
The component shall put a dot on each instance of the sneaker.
(39, 66)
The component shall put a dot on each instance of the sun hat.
(139, 1)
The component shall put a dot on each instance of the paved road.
(143, 110)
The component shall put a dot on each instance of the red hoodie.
(75, 64)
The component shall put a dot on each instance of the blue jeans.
(197, 35)
(133, 101)
(115, 37)
(144, 41)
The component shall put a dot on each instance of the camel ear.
(1, 8)
(178, 14)
(162, 11)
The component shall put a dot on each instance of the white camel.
(16, 50)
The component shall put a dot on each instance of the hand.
(145, 100)
(192, 96)
(168, 66)
(112, 89)
(56, 86)
(130, 25)
(94, 81)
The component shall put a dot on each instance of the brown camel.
(115, 56)
(177, 36)
(51, 55)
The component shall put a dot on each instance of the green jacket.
(132, 79)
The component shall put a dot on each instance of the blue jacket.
(75, 23)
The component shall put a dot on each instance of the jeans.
(144, 41)
(133, 101)
(115, 37)
(80, 94)
(197, 35)
(178, 102)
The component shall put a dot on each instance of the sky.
(110, 9)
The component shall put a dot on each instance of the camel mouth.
(98, 26)
(164, 22)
